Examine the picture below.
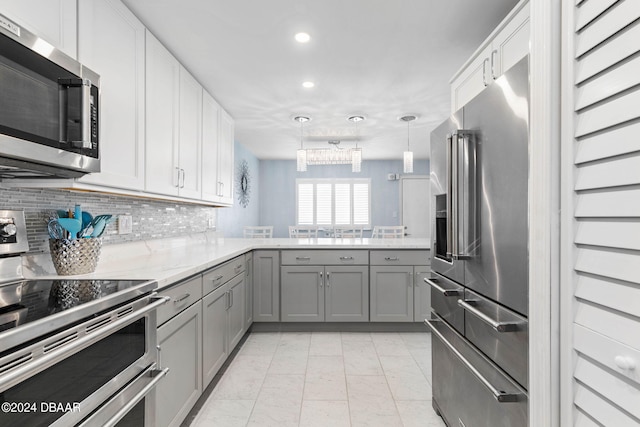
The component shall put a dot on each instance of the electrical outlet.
(125, 224)
(211, 223)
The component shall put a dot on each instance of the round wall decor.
(244, 184)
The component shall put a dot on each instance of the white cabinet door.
(210, 134)
(506, 46)
(162, 103)
(225, 159)
(266, 290)
(111, 42)
(190, 124)
(52, 20)
(302, 293)
(346, 293)
(511, 44)
(391, 293)
(471, 81)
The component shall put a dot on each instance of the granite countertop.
(174, 259)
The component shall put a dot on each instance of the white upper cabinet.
(111, 42)
(190, 141)
(225, 159)
(505, 46)
(174, 117)
(53, 20)
(210, 132)
(162, 115)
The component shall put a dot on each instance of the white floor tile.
(228, 413)
(326, 379)
(418, 414)
(325, 413)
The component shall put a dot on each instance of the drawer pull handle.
(499, 395)
(238, 268)
(303, 258)
(215, 279)
(625, 363)
(391, 258)
(498, 326)
(346, 258)
(182, 298)
(445, 292)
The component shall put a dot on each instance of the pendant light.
(356, 155)
(301, 155)
(408, 155)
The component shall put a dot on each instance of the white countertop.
(171, 260)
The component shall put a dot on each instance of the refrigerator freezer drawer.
(501, 334)
(445, 294)
(468, 389)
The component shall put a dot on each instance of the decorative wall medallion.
(244, 184)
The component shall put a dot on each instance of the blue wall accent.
(231, 220)
(278, 193)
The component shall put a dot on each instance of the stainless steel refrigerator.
(479, 257)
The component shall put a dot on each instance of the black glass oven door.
(66, 387)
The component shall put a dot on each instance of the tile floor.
(325, 379)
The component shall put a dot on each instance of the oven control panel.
(13, 232)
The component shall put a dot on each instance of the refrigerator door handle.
(496, 325)
(467, 188)
(443, 291)
(450, 197)
(500, 396)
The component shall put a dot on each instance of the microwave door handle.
(86, 114)
(449, 216)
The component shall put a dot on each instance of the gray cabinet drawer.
(325, 257)
(222, 274)
(182, 296)
(399, 257)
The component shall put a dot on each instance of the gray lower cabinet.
(236, 306)
(266, 286)
(324, 293)
(391, 293)
(421, 294)
(248, 291)
(180, 342)
(215, 335)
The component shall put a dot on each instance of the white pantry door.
(415, 205)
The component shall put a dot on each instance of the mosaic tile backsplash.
(152, 219)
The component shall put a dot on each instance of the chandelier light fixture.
(301, 154)
(329, 156)
(408, 155)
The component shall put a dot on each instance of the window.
(333, 202)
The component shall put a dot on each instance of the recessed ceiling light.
(308, 85)
(302, 37)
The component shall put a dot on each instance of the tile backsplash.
(152, 219)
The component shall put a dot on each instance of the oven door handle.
(500, 396)
(29, 369)
(156, 374)
(496, 325)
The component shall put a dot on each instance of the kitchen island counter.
(171, 260)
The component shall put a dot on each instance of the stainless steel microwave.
(49, 109)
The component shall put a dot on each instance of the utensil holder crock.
(75, 256)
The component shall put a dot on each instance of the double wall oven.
(479, 285)
(75, 352)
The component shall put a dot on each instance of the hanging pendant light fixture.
(408, 155)
(356, 154)
(301, 154)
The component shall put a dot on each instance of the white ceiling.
(378, 58)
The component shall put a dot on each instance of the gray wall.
(277, 186)
(231, 220)
(152, 219)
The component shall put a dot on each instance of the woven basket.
(75, 256)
